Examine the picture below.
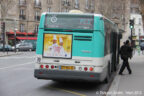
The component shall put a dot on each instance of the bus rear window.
(62, 21)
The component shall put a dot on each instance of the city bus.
(76, 47)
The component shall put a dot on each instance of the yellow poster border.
(57, 34)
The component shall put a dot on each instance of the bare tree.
(142, 6)
(105, 7)
(5, 6)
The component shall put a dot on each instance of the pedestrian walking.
(126, 53)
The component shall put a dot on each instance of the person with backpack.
(126, 53)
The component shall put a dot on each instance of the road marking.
(68, 91)
(16, 65)
(25, 57)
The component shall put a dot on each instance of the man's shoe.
(130, 72)
(120, 74)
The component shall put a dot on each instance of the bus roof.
(64, 13)
(79, 14)
(91, 14)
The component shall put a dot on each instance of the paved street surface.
(130, 85)
(2, 54)
(16, 79)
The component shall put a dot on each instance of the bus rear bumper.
(68, 75)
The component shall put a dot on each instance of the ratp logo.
(53, 19)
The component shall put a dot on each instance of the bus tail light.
(91, 68)
(41, 66)
(52, 66)
(40, 73)
(47, 66)
(85, 68)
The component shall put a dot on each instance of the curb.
(10, 54)
(114, 86)
(114, 89)
(115, 83)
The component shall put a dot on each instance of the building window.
(37, 3)
(22, 15)
(76, 4)
(87, 4)
(49, 1)
(66, 0)
(140, 20)
(22, 27)
(133, 32)
(37, 16)
(134, 20)
(65, 3)
(92, 5)
(49, 9)
(36, 28)
(132, 10)
(140, 31)
(21, 11)
(123, 6)
(22, 2)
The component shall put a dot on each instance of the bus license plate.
(67, 67)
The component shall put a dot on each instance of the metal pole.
(15, 35)
(131, 36)
(15, 39)
(3, 31)
(139, 38)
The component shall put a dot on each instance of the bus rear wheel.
(107, 79)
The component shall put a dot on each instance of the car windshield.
(142, 43)
(0, 45)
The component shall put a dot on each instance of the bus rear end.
(69, 47)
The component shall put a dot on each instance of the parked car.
(142, 46)
(23, 47)
(33, 42)
(7, 47)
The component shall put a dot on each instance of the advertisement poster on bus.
(57, 45)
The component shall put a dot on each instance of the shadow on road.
(87, 88)
(81, 86)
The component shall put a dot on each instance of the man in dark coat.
(126, 53)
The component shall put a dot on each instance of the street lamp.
(131, 23)
(3, 32)
(15, 30)
(139, 38)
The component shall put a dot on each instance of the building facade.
(121, 16)
(24, 15)
(137, 32)
(138, 25)
(142, 9)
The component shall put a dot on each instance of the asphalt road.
(17, 79)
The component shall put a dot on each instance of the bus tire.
(108, 74)
(115, 68)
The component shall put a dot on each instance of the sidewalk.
(130, 85)
(3, 54)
